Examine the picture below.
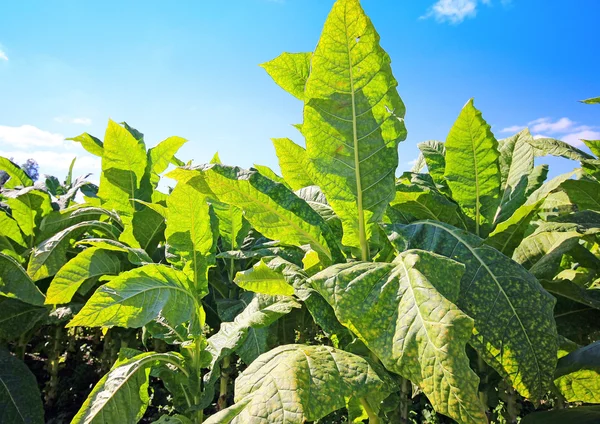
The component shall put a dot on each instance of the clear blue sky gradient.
(190, 68)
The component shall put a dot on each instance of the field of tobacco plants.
(465, 290)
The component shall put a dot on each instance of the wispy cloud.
(3, 55)
(565, 129)
(456, 11)
(78, 121)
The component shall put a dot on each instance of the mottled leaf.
(262, 279)
(509, 234)
(290, 71)
(578, 374)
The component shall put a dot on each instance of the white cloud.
(546, 125)
(3, 55)
(78, 121)
(27, 136)
(51, 151)
(513, 129)
(574, 139)
(563, 129)
(456, 11)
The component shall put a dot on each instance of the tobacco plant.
(334, 292)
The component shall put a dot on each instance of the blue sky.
(190, 68)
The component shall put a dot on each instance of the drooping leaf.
(419, 164)
(11, 230)
(579, 415)
(49, 256)
(434, 153)
(472, 168)
(16, 284)
(293, 163)
(585, 194)
(578, 374)
(28, 206)
(136, 297)
(573, 291)
(262, 279)
(161, 155)
(17, 318)
(550, 146)
(403, 312)
(353, 121)
(270, 207)
(91, 263)
(509, 234)
(190, 235)
(516, 165)
(520, 340)
(57, 221)
(20, 398)
(135, 255)
(591, 101)
(298, 383)
(90, 143)
(17, 177)
(290, 71)
(121, 396)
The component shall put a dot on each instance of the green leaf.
(57, 221)
(20, 398)
(161, 155)
(404, 313)
(573, 291)
(550, 146)
(91, 263)
(472, 168)
(270, 207)
(536, 179)
(262, 279)
(298, 383)
(579, 415)
(17, 177)
(135, 255)
(434, 153)
(189, 234)
(232, 227)
(293, 163)
(508, 234)
(290, 71)
(90, 143)
(578, 375)
(49, 256)
(121, 396)
(11, 230)
(148, 228)
(520, 340)
(269, 173)
(173, 419)
(585, 194)
(136, 297)
(16, 284)
(353, 122)
(516, 165)
(593, 145)
(17, 318)
(591, 101)
(28, 206)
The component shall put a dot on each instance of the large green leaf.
(550, 146)
(16, 284)
(578, 374)
(293, 163)
(190, 235)
(136, 297)
(585, 194)
(516, 165)
(121, 396)
(135, 255)
(403, 312)
(290, 71)
(20, 398)
(48, 257)
(520, 340)
(509, 234)
(293, 384)
(472, 168)
(90, 144)
(353, 121)
(270, 207)
(91, 263)
(17, 177)
(161, 155)
(262, 279)
(434, 153)
(59, 220)
(28, 206)
(11, 230)
(17, 318)
(232, 227)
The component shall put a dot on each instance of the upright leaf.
(20, 398)
(509, 234)
(161, 155)
(434, 153)
(520, 340)
(403, 312)
(293, 163)
(472, 168)
(353, 121)
(290, 71)
(298, 383)
(29, 207)
(136, 297)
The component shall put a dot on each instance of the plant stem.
(373, 418)
(560, 400)
(482, 367)
(511, 403)
(224, 383)
(53, 366)
(404, 393)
